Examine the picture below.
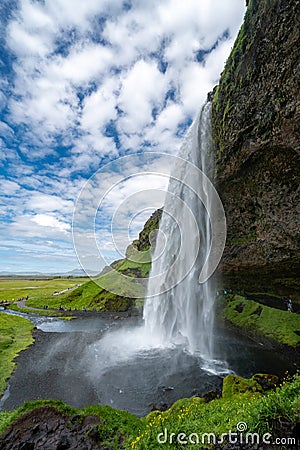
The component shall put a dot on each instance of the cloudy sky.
(84, 83)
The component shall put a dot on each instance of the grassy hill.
(120, 286)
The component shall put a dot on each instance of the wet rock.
(161, 406)
(266, 381)
(211, 395)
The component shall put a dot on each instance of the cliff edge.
(255, 118)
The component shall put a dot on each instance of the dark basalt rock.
(161, 406)
(47, 428)
(266, 381)
(256, 116)
(212, 395)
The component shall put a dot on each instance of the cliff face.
(256, 116)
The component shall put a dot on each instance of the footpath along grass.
(94, 296)
(15, 335)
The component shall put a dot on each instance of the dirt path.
(22, 304)
(271, 301)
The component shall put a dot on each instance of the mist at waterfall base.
(178, 328)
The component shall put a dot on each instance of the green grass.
(15, 335)
(13, 288)
(77, 298)
(141, 265)
(242, 401)
(278, 325)
(222, 415)
(97, 297)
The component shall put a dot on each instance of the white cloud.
(44, 202)
(82, 64)
(94, 115)
(93, 77)
(5, 130)
(143, 88)
(47, 81)
(48, 221)
(23, 43)
(9, 187)
(3, 100)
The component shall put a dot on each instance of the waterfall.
(178, 308)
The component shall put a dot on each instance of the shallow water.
(96, 360)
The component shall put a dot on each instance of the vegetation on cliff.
(50, 422)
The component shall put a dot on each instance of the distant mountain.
(20, 274)
(71, 273)
(78, 273)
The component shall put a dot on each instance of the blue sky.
(83, 83)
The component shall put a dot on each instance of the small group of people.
(221, 292)
(20, 299)
(63, 308)
(289, 304)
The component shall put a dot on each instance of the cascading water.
(179, 309)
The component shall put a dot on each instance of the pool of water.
(95, 360)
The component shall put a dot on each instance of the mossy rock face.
(107, 301)
(255, 124)
(143, 242)
(211, 395)
(233, 384)
(117, 304)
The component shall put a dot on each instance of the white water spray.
(179, 309)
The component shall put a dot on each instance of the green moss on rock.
(233, 385)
